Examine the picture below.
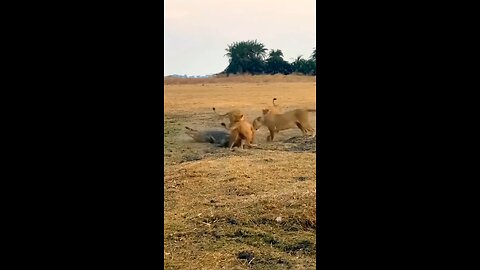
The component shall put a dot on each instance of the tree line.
(251, 57)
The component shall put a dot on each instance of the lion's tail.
(311, 110)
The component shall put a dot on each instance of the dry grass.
(222, 208)
(277, 78)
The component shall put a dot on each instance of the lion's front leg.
(272, 134)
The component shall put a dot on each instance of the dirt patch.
(302, 144)
(293, 144)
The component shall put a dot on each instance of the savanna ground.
(247, 209)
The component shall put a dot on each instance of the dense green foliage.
(251, 57)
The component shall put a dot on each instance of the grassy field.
(247, 209)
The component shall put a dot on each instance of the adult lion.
(275, 122)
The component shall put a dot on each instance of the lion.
(232, 115)
(276, 122)
(241, 132)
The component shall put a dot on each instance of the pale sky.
(197, 32)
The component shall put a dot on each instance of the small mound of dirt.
(294, 144)
(303, 144)
(302, 139)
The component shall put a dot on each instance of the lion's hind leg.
(234, 139)
(309, 129)
(302, 128)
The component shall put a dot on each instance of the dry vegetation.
(249, 209)
(277, 78)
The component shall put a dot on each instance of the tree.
(311, 67)
(276, 64)
(299, 65)
(275, 54)
(249, 57)
(307, 67)
(246, 56)
(312, 62)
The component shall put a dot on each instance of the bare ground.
(246, 209)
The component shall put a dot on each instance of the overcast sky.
(197, 32)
